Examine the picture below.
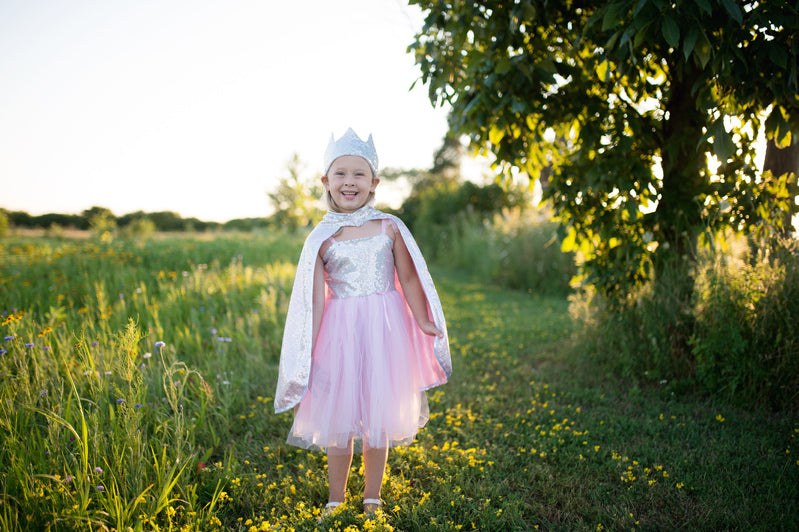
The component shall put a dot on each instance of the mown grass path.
(104, 428)
(576, 449)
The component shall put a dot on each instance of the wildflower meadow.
(136, 382)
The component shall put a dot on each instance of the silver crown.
(351, 144)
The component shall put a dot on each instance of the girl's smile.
(350, 182)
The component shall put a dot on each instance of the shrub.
(736, 340)
(56, 231)
(746, 342)
(139, 229)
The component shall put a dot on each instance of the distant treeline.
(163, 221)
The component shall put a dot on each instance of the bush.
(746, 342)
(139, 229)
(642, 336)
(56, 231)
(737, 340)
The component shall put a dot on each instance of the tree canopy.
(619, 103)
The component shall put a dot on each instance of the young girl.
(365, 334)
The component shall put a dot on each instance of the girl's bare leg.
(338, 470)
(374, 465)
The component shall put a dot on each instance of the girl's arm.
(318, 297)
(412, 286)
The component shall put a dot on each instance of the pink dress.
(368, 369)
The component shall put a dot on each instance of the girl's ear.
(375, 181)
(324, 181)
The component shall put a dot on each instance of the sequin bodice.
(360, 267)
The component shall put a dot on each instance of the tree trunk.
(678, 217)
(785, 161)
(679, 214)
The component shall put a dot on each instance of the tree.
(296, 199)
(101, 220)
(623, 101)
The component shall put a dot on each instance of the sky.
(196, 106)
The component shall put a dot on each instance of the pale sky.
(196, 106)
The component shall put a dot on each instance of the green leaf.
(671, 32)
(529, 11)
(495, 135)
(733, 9)
(723, 146)
(702, 49)
(503, 66)
(611, 18)
(705, 5)
(689, 41)
(641, 35)
(603, 70)
(639, 7)
(612, 41)
(629, 32)
(778, 129)
(547, 65)
(778, 56)
(569, 242)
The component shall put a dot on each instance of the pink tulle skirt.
(369, 370)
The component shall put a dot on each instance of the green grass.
(528, 434)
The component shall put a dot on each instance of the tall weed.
(515, 249)
(117, 367)
(746, 341)
(736, 339)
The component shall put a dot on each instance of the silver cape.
(295, 354)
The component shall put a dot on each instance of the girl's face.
(350, 182)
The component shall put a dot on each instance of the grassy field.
(136, 387)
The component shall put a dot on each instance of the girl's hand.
(428, 327)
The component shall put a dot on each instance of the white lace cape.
(295, 354)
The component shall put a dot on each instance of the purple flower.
(94, 344)
(137, 405)
(98, 470)
(7, 338)
(69, 478)
(120, 401)
(160, 344)
(46, 348)
(100, 488)
(30, 344)
(3, 351)
(142, 367)
(42, 393)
